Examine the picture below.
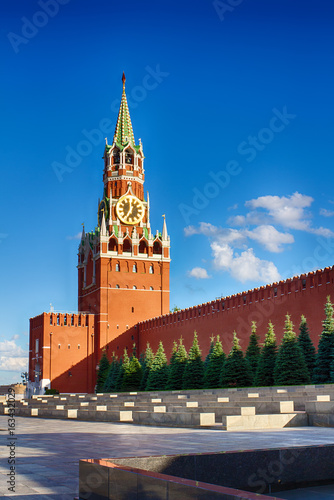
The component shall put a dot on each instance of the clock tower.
(123, 268)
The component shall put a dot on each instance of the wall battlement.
(303, 282)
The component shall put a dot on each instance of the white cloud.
(13, 364)
(204, 228)
(286, 211)
(12, 356)
(270, 238)
(326, 213)
(199, 273)
(245, 266)
(75, 237)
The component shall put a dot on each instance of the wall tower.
(123, 268)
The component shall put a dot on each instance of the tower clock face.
(130, 209)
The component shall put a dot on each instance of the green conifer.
(214, 366)
(132, 375)
(265, 368)
(109, 385)
(171, 363)
(102, 371)
(124, 369)
(146, 366)
(193, 376)
(305, 343)
(207, 359)
(290, 366)
(176, 369)
(158, 376)
(324, 357)
(236, 371)
(253, 351)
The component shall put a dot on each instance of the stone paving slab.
(48, 450)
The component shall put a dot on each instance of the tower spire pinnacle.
(124, 131)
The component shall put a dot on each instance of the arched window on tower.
(143, 247)
(127, 246)
(151, 270)
(117, 267)
(112, 246)
(129, 157)
(134, 268)
(116, 157)
(157, 248)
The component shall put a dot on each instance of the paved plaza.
(48, 451)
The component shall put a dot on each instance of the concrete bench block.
(72, 413)
(129, 403)
(281, 391)
(84, 403)
(133, 393)
(182, 396)
(101, 408)
(125, 416)
(93, 398)
(323, 398)
(192, 404)
(223, 400)
(247, 410)
(156, 400)
(207, 419)
(253, 395)
(34, 412)
(113, 395)
(59, 407)
(159, 409)
(63, 399)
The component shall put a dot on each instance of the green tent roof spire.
(124, 131)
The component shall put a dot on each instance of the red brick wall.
(305, 294)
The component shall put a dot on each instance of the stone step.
(182, 419)
(278, 421)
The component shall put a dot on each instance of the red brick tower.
(123, 269)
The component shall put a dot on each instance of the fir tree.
(236, 371)
(132, 375)
(265, 368)
(305, 343)
(214, 366)
(253, 351)
(109, 385)
(146, 366)
(158, 376)
(176, 369)
(193, 376)
(123, 365)
(208, 357)
(102, 371)
(171, 363)
(290, 366)
(324, 357)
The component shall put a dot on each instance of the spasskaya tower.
(123, 268)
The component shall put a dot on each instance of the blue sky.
(233, 102)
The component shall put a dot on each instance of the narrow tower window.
(151, 270)
(134, 268)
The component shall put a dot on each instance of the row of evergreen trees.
(294, 362)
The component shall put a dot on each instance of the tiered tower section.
(123, 267)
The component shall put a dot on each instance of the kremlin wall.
(305, 294)
(72, 354)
